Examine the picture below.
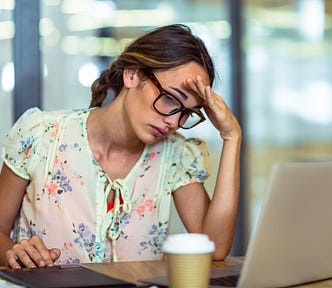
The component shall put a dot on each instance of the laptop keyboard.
(227, 281)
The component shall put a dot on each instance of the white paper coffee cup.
(189, 260)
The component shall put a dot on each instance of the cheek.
(140, 105)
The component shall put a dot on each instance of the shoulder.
(174, 139)
(35, 112)
(188, 159)
(58, 115)
(34, 123)
(21, 149)
(177, 139)
(46, 120)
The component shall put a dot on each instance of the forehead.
(177, 76)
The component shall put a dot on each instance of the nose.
(172, 120)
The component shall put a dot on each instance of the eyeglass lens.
(168, 105)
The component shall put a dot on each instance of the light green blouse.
(66, 201)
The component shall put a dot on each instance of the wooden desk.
(133, 271)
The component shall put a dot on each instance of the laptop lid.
(292, 241)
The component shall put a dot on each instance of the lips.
(158, 132)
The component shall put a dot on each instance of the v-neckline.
(94, 160)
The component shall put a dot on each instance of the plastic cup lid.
(188, 243)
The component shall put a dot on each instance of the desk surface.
(133, 271)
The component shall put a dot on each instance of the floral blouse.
(66, 200)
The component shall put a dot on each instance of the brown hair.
(161, 49)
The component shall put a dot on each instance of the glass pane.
(6, 67)
(288, 87)
(80, 38)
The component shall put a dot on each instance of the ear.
(130, 77)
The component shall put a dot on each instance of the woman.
(96, 185)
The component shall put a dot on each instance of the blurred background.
(273, 59)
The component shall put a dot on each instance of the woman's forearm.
(220, 220)
(5, 244)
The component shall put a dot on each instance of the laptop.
(68, 276)
(292, 240)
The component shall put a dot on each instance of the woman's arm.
(217, 217)
(9, 207)
(29, 252)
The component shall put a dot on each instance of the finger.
(202, 90)
(200, 85)
(30, 252)
(54, 254)
(12, 260)
(208, 94)
(193, 86)
(40, 254)
(22, 255)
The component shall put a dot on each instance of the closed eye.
(170, 100)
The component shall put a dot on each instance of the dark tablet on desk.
(61, 276)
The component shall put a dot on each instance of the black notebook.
(61, 276)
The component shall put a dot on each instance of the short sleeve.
(194, 163)
(21, 144)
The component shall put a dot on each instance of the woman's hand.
(216, 109)
(31, 253)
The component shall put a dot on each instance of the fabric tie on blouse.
(111, 221)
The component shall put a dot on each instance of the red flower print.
(140, 209)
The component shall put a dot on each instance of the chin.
(151, 139)
(148, 137)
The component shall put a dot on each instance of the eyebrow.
(183, 95)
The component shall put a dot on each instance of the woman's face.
(147, 123)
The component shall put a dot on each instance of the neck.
(108, 129)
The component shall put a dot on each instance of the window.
(6, 66)
(288, 88)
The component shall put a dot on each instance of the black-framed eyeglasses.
(166, 104)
